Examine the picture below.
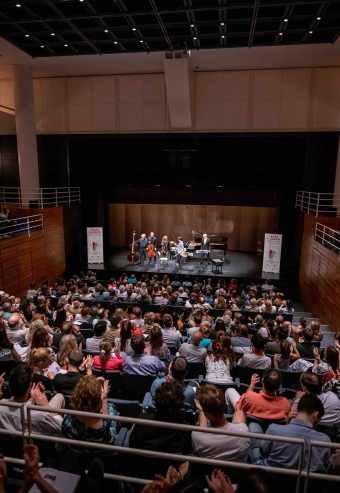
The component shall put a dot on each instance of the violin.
(133, 256)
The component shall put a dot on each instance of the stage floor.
(237, 264)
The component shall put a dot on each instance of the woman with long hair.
(219, 361)
(68, 344)
(156, 346)
(123, 342)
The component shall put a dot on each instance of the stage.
(236, 264)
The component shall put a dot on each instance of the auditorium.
(169, 246)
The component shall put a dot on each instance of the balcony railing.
(305, 446)
(40, 197)
(317, 204)
(21, 226)
(328, 237)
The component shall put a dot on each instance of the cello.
(133, 256)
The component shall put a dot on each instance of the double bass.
(133, 256)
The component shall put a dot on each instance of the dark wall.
(9, 166)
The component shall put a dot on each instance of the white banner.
(95, 252)
(272, 253)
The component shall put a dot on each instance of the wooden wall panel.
(319, 274)
(41, 256)
(243, 225)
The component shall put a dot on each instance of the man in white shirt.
(211, 406)
(23, 392)
(16, 331)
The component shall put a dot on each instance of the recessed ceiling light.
(192, 25)
(18, 5)
(222, 36)
(318, 18)
(134, 29)
(194, 38)
(81, 0)
(52, 34)
(42, 46)
(66, 45)
(106, 30)
(222, 24)
(27, 35)
(115, 42)
(285, 20)
(310, 32)
(141, 41)
(280, 34)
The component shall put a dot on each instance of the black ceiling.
(70, 27)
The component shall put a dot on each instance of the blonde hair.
(68, 343)
(87, 395)
(40, 358)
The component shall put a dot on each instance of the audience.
(165, 344)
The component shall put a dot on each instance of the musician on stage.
(142, 243)
(153, 239)
(205, 244)
(165, 246)
(180, 251)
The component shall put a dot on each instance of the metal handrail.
(42, 197)
(27, 434)
(317, 203)
(21, 225)
(328, 237)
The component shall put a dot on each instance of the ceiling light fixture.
(42, 46)
(52, 34)
(280, 34)
(18, 5)
(106, 30)
(115, 42)
(192, 25)
(285, 20)
(27, 35)
(194, 38)
(318, 18)
(66, 45)
(134, 29)
(222, 24)
(141, 41)
(310, 32)
(222, 36)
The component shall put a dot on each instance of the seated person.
(311, 384)
(219, 361)
(23, 391)
(93, 343)
(192, 351)
(287, 455)
(169, 401)
(177, 372)
(171, 336)
(241, 342)
(90, 395)
(306, 347)
(211, 406)
(16, 330)
(106, 361)
(65, 381)
(256, 358)
(266, 404)
(142, 364)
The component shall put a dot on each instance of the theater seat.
(134, 387)
(195, 370)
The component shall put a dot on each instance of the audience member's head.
(178, 368)
(212, 401)
(311, 383)
(19, 382)
(87, 395)
(100, 328)
(271, 381)
(138, 345)
(258, 343)
(311, 408)
(169, 400)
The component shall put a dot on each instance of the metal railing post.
(69, 196)
(41, 199)
(302, 201)
(56, 197)
(28, 227)
(317, 204)
(308, 203)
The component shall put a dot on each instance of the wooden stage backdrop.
(244, 226)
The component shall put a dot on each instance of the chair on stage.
(217, 261)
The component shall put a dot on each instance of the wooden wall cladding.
(243, 225)
(319, 274)
(41, 256)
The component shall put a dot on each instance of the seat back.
(134, 387)
(195, 370)
(244, 374)
(114, 379)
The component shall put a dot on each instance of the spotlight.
(66, 45)
(115, 42)
(310, 32)
(106, 30)
(222, 24)
(18, 5)
(27, 35)
(285, 20)
(134, 29)
(42, 46)
(280, 34)
(194, 38)
(192, 25)
(52, 34)
(318, 18)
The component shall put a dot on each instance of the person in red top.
(266, 404)
(105, 361)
